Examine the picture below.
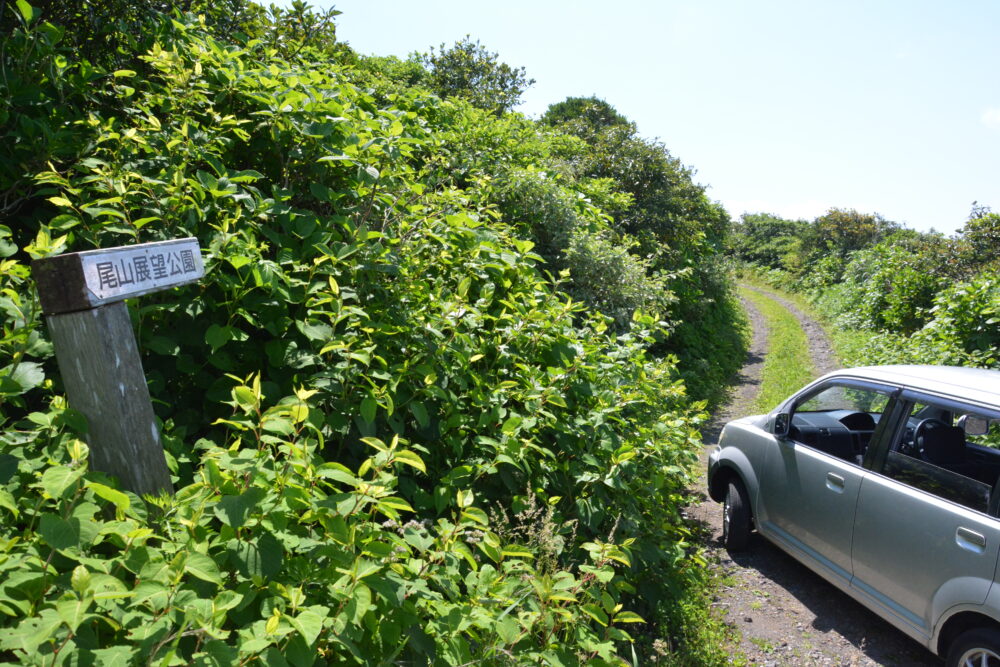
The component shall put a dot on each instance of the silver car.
(884, 480)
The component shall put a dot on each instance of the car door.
(807, 500)
(811, 479)
(923, 541)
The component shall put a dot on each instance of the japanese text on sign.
(129, 271)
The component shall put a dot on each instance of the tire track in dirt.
(784, 613)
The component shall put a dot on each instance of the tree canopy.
(467, 70)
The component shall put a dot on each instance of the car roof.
(980, 385)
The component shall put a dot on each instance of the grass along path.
(788, 366)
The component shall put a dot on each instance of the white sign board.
(113, 274)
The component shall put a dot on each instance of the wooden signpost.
(83, 297)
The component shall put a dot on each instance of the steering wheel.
(919, 431)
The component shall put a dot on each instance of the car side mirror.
(782, 424)
(974, 425)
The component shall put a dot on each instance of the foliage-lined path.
(783, 612)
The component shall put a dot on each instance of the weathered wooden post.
(83, 297)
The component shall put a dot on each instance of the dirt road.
(786, 614)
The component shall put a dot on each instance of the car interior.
(936, 454)
(838, 420)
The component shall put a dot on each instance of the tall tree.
(470, 72)
(766, 239)
(982, 233)
(584, 115)
(842, 231)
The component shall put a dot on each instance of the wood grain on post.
(83, 296)
(102, 373)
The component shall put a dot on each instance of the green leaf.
(245, 397)
(32, 632)
(464, 498)
(338, 472)
(98, 211)
(57, 479)
(26, 375)
(517, 552)
(411, 459)
(117, 498)
(163, 345)
(360, 602)
(375, 443)
(595, 612)
(116, 656)
(368, 409)
(508, 629)
(392, 504)
(76, 421)
(203, 567)
(123, 73)
(59, 533)
(476, 515)
(142, 222)
(314, 330)
(8, 467)
(7, 501)
(279, 425)
(234, 510)
(217, 336)
(309, 624)
(27, 11)
(628, 617)
(236, 261)
(510, 426)
(73, 612)
(262, 556)
(420, 414)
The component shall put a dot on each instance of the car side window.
(940, 450)
(839, 419)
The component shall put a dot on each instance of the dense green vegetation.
(894, 295)
(428, 405)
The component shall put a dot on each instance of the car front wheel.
(975, 648)
(735, 518)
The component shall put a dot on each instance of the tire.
(735, 518)
(975, 648)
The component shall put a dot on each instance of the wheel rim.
(979, 657)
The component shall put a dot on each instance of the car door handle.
(834, 482)
(970, 540)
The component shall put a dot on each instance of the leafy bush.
(962, 330)
(680, 236)
(895, 282)
(765, 240)
(366, 373)
(575, 238)
(272, 553)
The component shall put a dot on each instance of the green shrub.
(371, 366)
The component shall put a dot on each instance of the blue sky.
(783, 106)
